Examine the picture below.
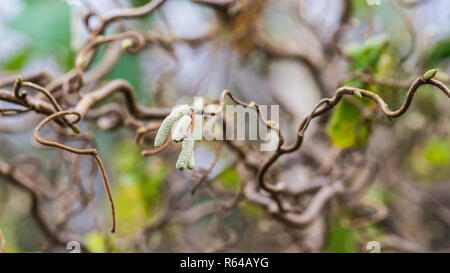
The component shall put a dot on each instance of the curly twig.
(136, 110)
(122, 13)
(137, 42)
(327, 104)
(23, 96)
(92, 152)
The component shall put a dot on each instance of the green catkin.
(185, 157)
(164, 130)
(191, 163)
(181, 110)
(252, 105)
(168, 122)
(272, 141)
(182, 128)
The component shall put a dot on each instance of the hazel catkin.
(167, 124)
(186, 155)
(182, 128)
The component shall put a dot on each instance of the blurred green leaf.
(378, 194)
(231, 179)
(429, 161)
(359, 7)
(9, 238)
(47, 24)
(387, 64)
(156, 173)
(346, 127)
(149, 174)
(131, 209)
(18, 61)
(367, 55)
(341, 240)
(140, 183)
(138, 3)
(96, 242)
(437, 151)
(251, 209)
(439, 53)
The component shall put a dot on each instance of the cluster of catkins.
(180, 116)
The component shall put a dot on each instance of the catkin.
(181, 110)
(185, 157)
(168, 122)
(271, 144)
(182, 128)
(191, 163)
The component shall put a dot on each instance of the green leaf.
(346, 127)
(131, 211)
(429, 161)
(252, 210)
(96, 242)
(439, 53)
(231, 179)
(342, 240)
(17, 61)
(144, 178)
(138, 3)
(387, 63)
(47, 24)
(367, 55)
(437, 151)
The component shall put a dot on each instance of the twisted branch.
(92, 152)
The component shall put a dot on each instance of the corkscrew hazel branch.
(40, 77)
(17, 86)
(159, 149)
(186, 156)
(225, 93)
(322, 107)
(92, 152)
(327, 104)
(132, 42)
(39, 106)
(123, 13)
(131, 102)
(23, 96)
